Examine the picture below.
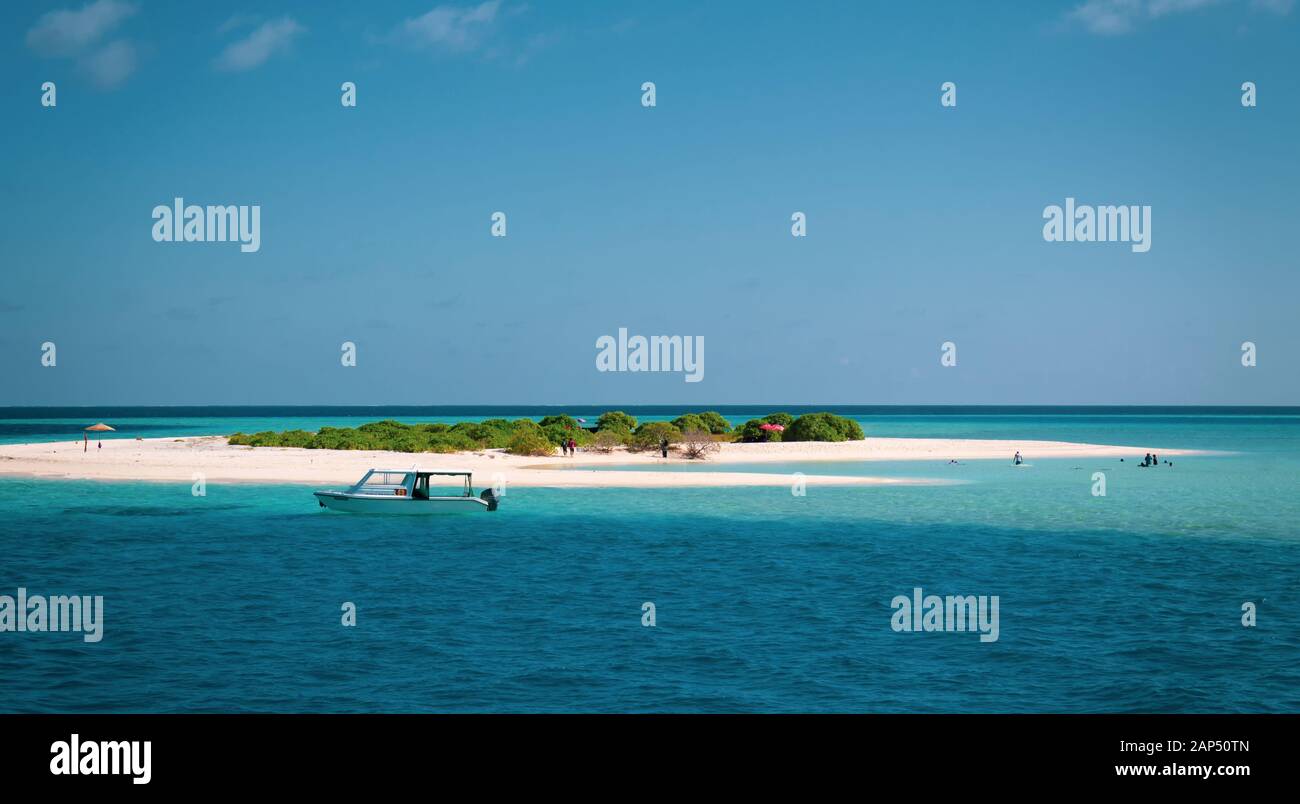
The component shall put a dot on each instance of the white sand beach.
(179, 459)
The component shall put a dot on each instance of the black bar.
(341, 752)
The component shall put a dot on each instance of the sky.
(924, 222)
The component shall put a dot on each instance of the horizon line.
(692, 405)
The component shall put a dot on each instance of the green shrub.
(691, 421)
(296, 438)
(375, 435)
(488, 433)
(557, 435)
(450, 442)
(346, 438)
(623, 433)
(387, 425)
(266, 438)
(616, 420)
(425, 437)
(648, 435)
(752, 430)
(474, 431)
(496, 432)
(823, 427)
(526, 442)
(565, 422)
(607, 441)
(408, 442)
(783, 419)
(714, 422)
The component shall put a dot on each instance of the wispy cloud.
(265, 41)
(112, 64)
(238, 21)
(69, 33)
(450, 28)
(520, 55)
(76, 34)
(1115, 17)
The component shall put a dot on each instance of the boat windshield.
(379, 479)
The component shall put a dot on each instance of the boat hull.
(363, 504)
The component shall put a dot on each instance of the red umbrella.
(777, 427)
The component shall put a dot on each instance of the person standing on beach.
(663, 446)
(564, 446)
(573, 447)
(85, 447)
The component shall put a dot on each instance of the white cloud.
(450, 27)
(68, 33)
(76, 35)
(238, 21)
(1106, 16)
(1110, 17)
(253, 50)
(112, 64)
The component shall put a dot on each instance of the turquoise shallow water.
(764, 601)
(1258, 429)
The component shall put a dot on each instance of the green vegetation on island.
(808, 427)
(695, 432)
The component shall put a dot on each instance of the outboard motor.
(489, 496)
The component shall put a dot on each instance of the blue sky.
(924, 222)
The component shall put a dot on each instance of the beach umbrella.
(773, 427)
(99, 428)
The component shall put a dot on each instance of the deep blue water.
(764, 601)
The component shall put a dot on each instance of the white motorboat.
(407, 491)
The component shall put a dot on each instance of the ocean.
(763, 601)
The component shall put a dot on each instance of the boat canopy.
(414, 483)
(420, 472)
